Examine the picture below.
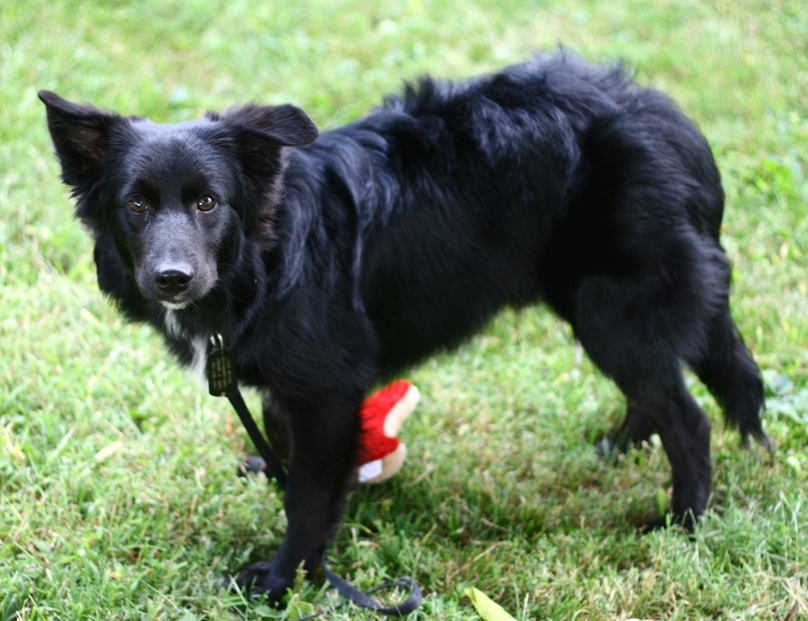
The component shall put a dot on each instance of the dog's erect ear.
(285, 126)
(261, 132)
(79, 133)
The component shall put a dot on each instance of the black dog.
(328, 263)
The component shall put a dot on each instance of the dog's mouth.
(174, 302)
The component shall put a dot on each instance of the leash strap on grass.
(351, 593)
(222, 383)
(360, 598)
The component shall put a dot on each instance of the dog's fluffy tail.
(730, 373)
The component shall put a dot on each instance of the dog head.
(176, 200)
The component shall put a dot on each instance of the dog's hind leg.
(638, 342)
(276, 428)
(637, 427)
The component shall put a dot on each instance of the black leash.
(222, 383)
(352, 594)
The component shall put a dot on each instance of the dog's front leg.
(324, 443)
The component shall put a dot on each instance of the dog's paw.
(605, 448)
(252, 466)
(686, 523)
(263, 579)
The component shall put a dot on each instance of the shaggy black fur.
(329, 262)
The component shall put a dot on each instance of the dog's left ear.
(285, 126)
(261, 132)
(80, 134)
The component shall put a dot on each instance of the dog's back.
(505, 190)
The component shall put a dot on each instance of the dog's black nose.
(173, 280)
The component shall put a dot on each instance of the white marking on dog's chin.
(173, 306)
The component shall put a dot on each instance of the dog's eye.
(137, 204)
(205, 203)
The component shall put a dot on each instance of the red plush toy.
(381, 453)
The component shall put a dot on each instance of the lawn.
(118, 498)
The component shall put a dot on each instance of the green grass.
(117, 494)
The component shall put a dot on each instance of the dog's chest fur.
(197, 344)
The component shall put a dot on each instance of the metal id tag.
(221, 374)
